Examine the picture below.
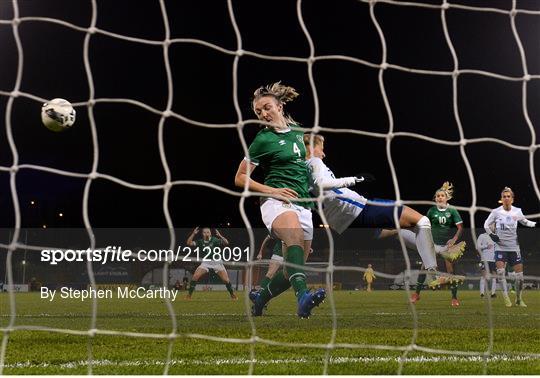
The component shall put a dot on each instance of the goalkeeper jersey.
(341, 205)
(506, 226)
(282, 156)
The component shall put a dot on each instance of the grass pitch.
(376, 318)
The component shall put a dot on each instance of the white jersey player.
(344, 207)
(504, 220)
(486, 250)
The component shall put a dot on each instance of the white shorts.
(216, 266)
(272, 208)
(277, 258)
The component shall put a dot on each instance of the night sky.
(348, 93)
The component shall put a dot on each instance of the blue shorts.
(510, 257)
(377, 216)
(491, 265)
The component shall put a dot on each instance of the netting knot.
(445, 6)
(239, 52)
(513, 13)
(15, 94)
(92, 332)
(166, 114)
(16, 21)
(14, 168)
(384, 66)
(455, 73)
(463, 142)
(92, 30)
(93, 175)
(527, 77)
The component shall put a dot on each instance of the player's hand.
(494, 237)
(284, 192)
(195, 230)
(218, 234)
(259, 256)
(364, 177)
(450, 242)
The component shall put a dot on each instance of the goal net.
(417, 93)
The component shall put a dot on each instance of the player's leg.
(199, 272)
(517, 264)
(273, 267)
(224, 276)
(453, 284)
(483, 281)
(493, 270)
(424, 240)
(283, 221)
(501, 276)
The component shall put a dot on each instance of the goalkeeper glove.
(494, 237)
(364, 177)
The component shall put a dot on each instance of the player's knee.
(423, 222)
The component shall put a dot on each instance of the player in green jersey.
(280, 152)
(208, 243)
(446, 228)
(276, 259)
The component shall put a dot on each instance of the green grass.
(377, 318)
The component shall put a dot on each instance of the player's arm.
(263, 246)
(254, 186)
(190, 242)
(456, 237)
(318, 168)
(525, 222)
(487, 226)
(224, 240)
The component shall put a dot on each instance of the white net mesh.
(90, 31)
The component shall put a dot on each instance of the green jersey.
(282, 156)
(211, 243)
(442, 222)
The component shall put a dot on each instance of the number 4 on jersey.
(296, 150)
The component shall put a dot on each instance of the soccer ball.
(58, 114)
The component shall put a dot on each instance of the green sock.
(420, 283)
(229, 288)
(519, 287)
(275, 287)
(264, 282)
(453, 287)
(192, 285)
(297, 277)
